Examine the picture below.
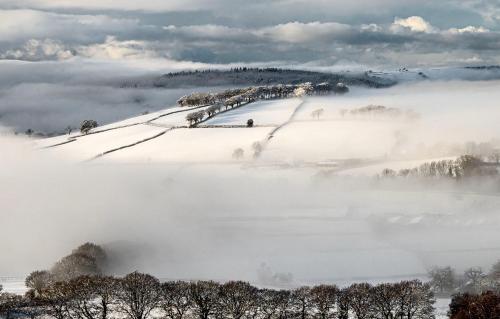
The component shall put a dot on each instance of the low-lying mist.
(214, 221)
(49, 96)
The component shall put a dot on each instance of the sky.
(318, 32)
(62, 61)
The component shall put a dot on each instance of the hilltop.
(256, 76)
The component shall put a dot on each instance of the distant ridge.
(484, 67)
(257, 76)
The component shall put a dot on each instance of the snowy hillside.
(345, 134)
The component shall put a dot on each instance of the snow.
(89, 146)
(313, 140)
(13, 285)
(337, 230)
(331, 139)
(168, 117)
(193, 145)
(442, 307)
(274, 112)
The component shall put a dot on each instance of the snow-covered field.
(87, 147)
(13, 285)
(193, 145)
(313, 140)
(195, 212)
(443, 120)
(274, 112)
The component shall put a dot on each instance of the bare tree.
(301, 302)
(360, 301)
(237, 299)
(317, 113)
(283, 304)
(195, 117)
(75, 265)
(343, 305)
(175, 299)
(92, 296)
(38, 280)
(475, 280)
(323, 299)
(238, 153)
(443, 279)
(138, 295)
(257, 149)
(57, 300)
(385, 300)
(94, 251)
(205, 297)
(416, 300)
(495, 272)
(269, 301)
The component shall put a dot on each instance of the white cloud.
(297, 32)
(372, 27)
(114, 49)
(469, 29)
(414, 24)
(35, 49)
(22, 25)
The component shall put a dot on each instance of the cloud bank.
(76, 47)
(220, 31)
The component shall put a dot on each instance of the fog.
(48, 97)
(223, 221)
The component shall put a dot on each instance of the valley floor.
(301, 198)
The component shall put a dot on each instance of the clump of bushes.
(87, 126)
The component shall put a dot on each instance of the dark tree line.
(254, 93)
(142, 296)
(244, 76)
(78, 287)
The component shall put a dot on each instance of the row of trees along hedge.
(142, 296)
(235, 97)
(260, 93)
(463, 166)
